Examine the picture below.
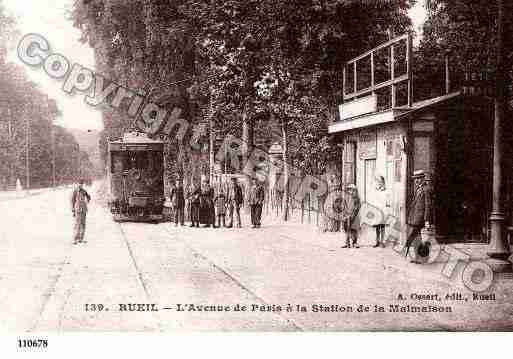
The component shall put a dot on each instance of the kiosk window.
(350, 163)
(422, 155)
(370, 174)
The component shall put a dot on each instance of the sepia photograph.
(193, 166)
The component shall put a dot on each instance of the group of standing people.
(207, 207)
(418, 216)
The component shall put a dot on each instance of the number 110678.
(32, 343)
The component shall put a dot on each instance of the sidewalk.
(8, 195)
(292, 263)
(446, 256)
(99, 271)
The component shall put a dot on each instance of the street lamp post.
(498, 250)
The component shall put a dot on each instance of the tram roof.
(137, 137)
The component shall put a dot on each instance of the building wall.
(386, 158)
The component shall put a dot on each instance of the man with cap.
(351, 222)
(79, 201)
(419, 213)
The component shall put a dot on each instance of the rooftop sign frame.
(392, 82)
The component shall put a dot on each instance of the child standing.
(220, 203)
(382, 203)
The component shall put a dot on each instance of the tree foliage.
(300, 46)
(213, 52)
(27, 113)
(466, 31)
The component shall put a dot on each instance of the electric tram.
(135, 176)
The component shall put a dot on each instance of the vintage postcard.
(255, 166)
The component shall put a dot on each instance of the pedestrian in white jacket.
(381, 201)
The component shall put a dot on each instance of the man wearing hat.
(79, 201)
(419, 213)
(178, 199)
(256, 201)
(235, 201)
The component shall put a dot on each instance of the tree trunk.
(247, 137)
(285, 171)
(211, 158)
(247, 147)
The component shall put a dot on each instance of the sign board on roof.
(360, 106)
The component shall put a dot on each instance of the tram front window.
(118, 162)
(131, 160)
(138, 160)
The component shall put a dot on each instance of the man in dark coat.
(235, 201)
(194, 197)
(256, 201)
(351, 222)
(419, 213)
(178, 200)
(79, 202)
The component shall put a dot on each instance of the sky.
(49, 19)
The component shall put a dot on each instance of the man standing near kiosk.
(419, 213)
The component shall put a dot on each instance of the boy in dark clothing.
(195, 206)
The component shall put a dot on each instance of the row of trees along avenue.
(241, 63)
(32, 148)
(237, 63)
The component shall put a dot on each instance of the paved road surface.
(46, 282)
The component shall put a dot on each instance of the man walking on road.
(234, 200)
(178, 201)
(79, 201)
(256, 201)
